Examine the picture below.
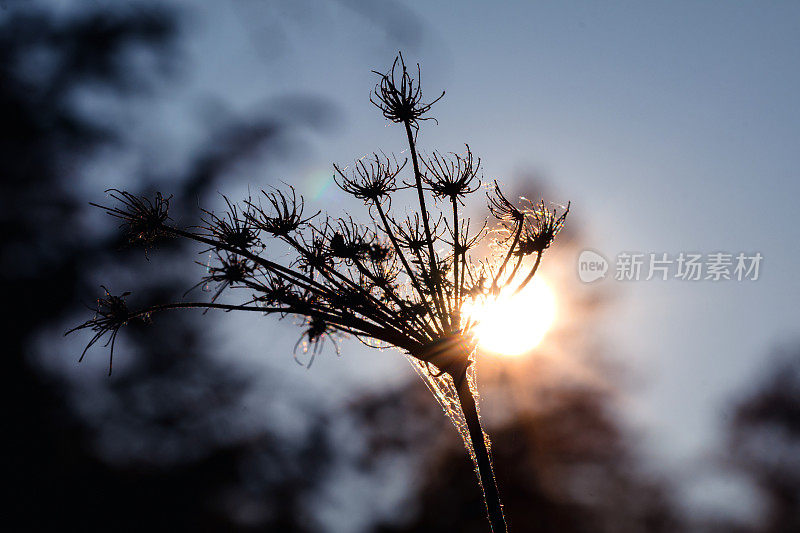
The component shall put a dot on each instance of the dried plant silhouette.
(399, 280)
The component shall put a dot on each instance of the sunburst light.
(514, 324)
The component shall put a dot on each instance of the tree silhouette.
(764, 438)
(566, 466)
(176, 391)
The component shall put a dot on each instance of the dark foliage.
(764, 437)
(566, 466)
(108, 468)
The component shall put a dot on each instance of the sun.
(514, 324)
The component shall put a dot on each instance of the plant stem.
(491, 496)
(436, 288)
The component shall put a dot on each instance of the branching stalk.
(344, 277)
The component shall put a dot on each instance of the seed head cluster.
(398, 278)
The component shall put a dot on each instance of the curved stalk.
(531, 273)
(494, 507)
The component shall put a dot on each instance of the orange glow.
(514, 324)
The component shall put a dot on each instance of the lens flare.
(514, 324)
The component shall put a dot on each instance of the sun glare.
(513, 325)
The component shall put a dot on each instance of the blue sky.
(671, 127)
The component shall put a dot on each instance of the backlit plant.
(393, 280)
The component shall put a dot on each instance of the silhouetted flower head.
(234, 229)
(503, 209)
(229, 270)
(313, 339)
(343, 249)
(283, 216)
(466, 238)
(382, 271)
(316, 256)
(110, 315)
(277, 291)
(350, 241)
(371, 179)
(400, 280)
(399, 96)
(411, 235)
(378, 253)
(232, 269)
(436, 274)
(143, 219)
(539, 234)
(452, 178)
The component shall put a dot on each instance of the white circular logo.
(591, 266)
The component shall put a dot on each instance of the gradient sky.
(671, 127)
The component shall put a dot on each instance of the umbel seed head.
(142, 218)
(399, 96)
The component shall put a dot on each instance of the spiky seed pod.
(143, 219)
(313, 339)
(544, 227)
(378, 253)
(452, 177)
(234, 228)
(276, 292)
(371, 179)
(284, 215)
(502, 208)
(466, 239)
(317, 254)
(110, 315)
(399, 96)
(411, 235)
(349, 241)
(231, 270)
